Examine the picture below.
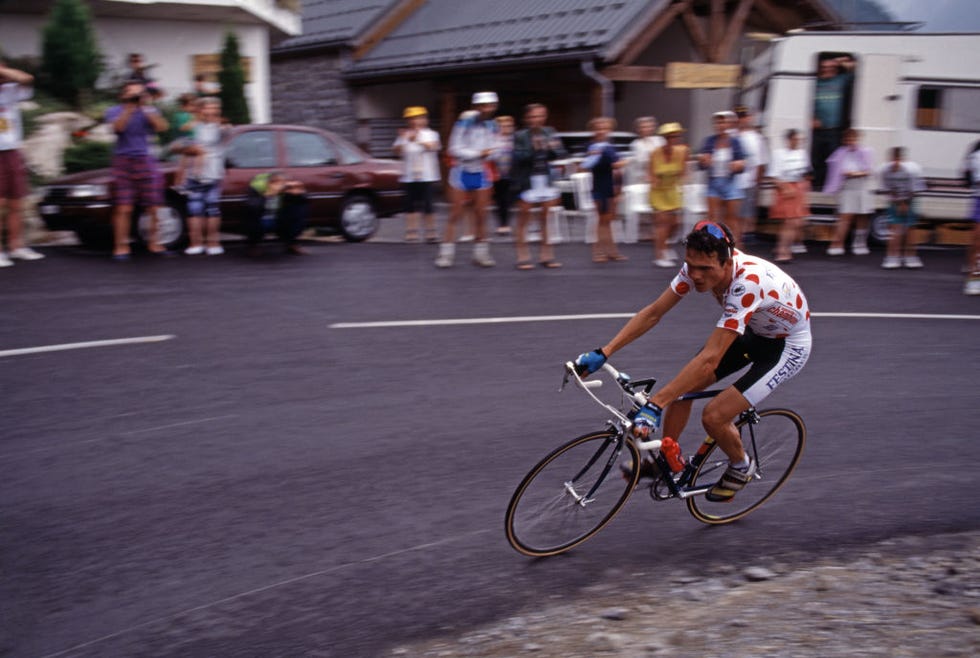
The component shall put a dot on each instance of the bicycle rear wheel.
(775, 442)
(571, 494)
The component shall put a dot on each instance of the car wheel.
(171, 228)
(358, 218)
(880, 229)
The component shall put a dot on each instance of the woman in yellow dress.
(668, 169)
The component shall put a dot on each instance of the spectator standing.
(136, 174)
(418, 146)
(901, 180)
(203, 179)
(535, 147)
(642, 148)
(790, 171)
(849, 175)
(668, 171)
(276, 204)
(602, 160)
(15, 86)
(756, 160)
(637, 187)
(502, 160)
(471, 143)
(723, 158)
(831, 101)
(972, 175)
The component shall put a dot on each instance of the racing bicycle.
(579, 487)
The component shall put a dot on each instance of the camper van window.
(831, 107)
(948, 108)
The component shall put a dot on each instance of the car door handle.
(338, 174)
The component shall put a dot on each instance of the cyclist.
(765, 324)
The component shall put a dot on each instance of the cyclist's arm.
(644, 320)
(698, 370)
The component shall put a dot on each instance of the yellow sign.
(210, 66)
(692, 75)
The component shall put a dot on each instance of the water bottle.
(672, 453)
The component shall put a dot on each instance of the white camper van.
(919, 91)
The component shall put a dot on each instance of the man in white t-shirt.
(765, 325)
(15, 86)
(756, 159)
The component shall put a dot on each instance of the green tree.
(70, 58)
(232, 80)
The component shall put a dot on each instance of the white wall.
(168, 44)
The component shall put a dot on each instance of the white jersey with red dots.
(761, 297)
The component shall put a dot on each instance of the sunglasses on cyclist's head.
(712, 229)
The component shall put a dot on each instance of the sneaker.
(447, 253)
(215, 251)
(664, 262)
(25, 253)
(860, 249)
(732, 481)
(798, 248)
(891, 263)
(913, 262)
(194, 251)
(4, 261)
(972, 286)
(469, 237)
(835, 251)
(481, 255)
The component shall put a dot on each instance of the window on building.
(947, 108)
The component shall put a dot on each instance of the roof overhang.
(276, 14)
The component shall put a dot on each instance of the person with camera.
(15, 86)
(136, 175)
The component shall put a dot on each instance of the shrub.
(70, 57)
(86, 155)
(232, 80)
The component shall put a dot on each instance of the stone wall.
(309, 91)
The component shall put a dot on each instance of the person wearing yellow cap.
(668, 168)
(418, 145)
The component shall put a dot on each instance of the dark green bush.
(84, 156)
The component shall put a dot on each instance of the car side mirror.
(229, 163)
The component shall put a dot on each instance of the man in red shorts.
(15, 86)
(135, 172)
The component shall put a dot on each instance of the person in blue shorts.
(723, 157)
(471, 144)
(901, 180)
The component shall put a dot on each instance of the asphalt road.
(263, 483)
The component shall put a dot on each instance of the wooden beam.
(653, 31)
(776, 16)
(716, 27)
(696, 32)
(724, 49)
(634, 73)
(385, 26)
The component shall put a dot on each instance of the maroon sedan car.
(348, 190)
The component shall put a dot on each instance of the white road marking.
(92, 343)
(612, 316)
(289, 581)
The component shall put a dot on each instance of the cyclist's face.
(706, 272)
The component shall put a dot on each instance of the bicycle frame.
(678, 484)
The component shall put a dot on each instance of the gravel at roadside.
(907, 597)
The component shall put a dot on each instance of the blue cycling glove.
(588, 363)
(647, 420)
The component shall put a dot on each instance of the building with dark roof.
(358, 63)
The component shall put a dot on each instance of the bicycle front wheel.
(775, 442)
(571, 494)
